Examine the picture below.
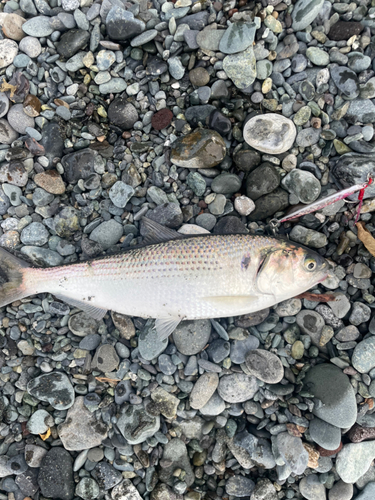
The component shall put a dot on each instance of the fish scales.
(174, 274)
(197, 277)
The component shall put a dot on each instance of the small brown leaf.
(366, 238)
(109, 380)
(317, 297)
(5, 87)
(46, 435)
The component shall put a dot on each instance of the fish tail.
(12, 271)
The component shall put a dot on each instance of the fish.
(175, 278)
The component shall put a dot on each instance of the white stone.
(244, 205)
(270, 133)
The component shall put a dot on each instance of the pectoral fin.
(95, 312)
(166, 326)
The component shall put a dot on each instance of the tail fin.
(11, 272)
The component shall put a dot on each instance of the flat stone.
(30, 46)
(240, 348)
(200, 149)
(54, 388)
(269, 204)
(339, 405)
(149, 344)
(325, 435)
(203, 389)
(237, 388)
(71, 42)
(311, 488)
(292, 451)
(214, 406)
(270, 133)
(125, 491)
(363, 359)
(106, 475)
(354, 460)
(343, 30)
(122, 113)
(120, 193)
(241, 68)
(304, 13)
(136, 425)
(239, 486)
(122, 25)
(265, 366)
(14, 173)
(175, 452)
(346, 81)
(238, 37)
(81, 430)
(38, 26)
(107, 233)
(303, 184)
(12, 27)
(87, 489)
(308, 237)
(190, 337)
(55, 477)
(105, 359)
(34, 455)
(164, 403)
(8, 51)
(39, 422)
(341, 491)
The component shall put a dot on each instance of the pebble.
(57, 464)
(302, 184)
(265, 366)
(324, 434)
(203, 390)
(270, 133)
(239, 486)
(200, 149)
(54, 388)
(311, 488)
(292, 452)
(339, 407)
(363, 355)
(237, 388)
(8, 51)
(190, 337)
(354, 460)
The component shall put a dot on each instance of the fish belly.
(189, 279)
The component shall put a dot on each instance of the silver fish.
(208, 276)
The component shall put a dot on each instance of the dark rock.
(71, 42)
(247, 159)
(196, 114)
(346, 81)
(269, 204)
(56, 475)
(354, 168)
(230, 225)
(195, 21)
(79, 165)
(52, 141)
(343, 30)
(106, 475)
(122, 25)
(168, 214)
(263, 180)
(161, 119)
(122, 113)
(219, 122)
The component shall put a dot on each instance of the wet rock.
(363, 356)
(339, 406)
(325, 435)
(263, 180)
(200, 149)
(175, 453)
(136, 425)
(54, 388)
(81, 430)
(270, 133)
(106, 476)
(122, 25)
(55, 477)
(343, 30)
(122, 113)
(72, 42)
(303, 184)
(269, 204)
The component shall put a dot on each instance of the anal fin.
(166, 326)
(93, 311)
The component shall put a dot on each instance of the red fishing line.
(360, 199)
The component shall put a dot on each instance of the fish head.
(290, 270)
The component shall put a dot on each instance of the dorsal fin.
(153, 232)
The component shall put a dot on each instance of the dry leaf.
(366, 238)
(5, 87)
(46, 435)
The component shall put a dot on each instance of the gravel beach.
(205, 117)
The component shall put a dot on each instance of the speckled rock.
(270, 133)
(200, 149)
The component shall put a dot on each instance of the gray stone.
(122, 113)
(55, 477)
(345, 80)
(175, 452)
(122, 25)
(368, 492)
(263, 180)
(264, 490)
(4, 104)
(54, 388)
(303, 184)
(214, 406)
(240, 348)
(7, 133)
(81, 324)
(339, 406)
(87, 489)
(105, 359)
(363, 359)
(149, 344)
(39, 422)
(308, 137)
(107, 233)
(125, 491)
(308, 237)
(270, 133)
(324, 434)
(120, 193)
(361, 110)
(106, 476)
(136, 425)
(114, 86)
(238, 37)
(265, 366)
(311, 488)
(35, 234)
(354, 460)
(38, 26)
(14, 193)
(241, 68)
(239, 486)
(203, 389)
(81, 430)
(34, 455)
(293, 452)
(360, 313)
(8, 52)
(237, 388)
(304, 13)
(341, 491)
(190, 337)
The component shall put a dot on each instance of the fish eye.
(310, 264)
